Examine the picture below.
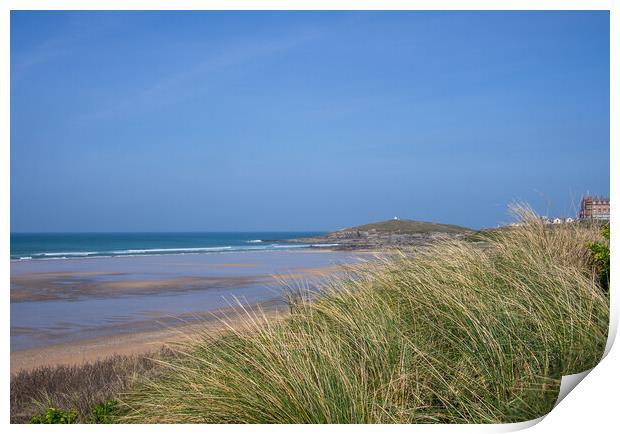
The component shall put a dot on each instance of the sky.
(294, 121)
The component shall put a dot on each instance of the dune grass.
(454, 333)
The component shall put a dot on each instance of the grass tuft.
(453, 333)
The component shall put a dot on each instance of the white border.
(310, 5)
(592, 407)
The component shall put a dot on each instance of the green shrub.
(54, 415)
(101, 413)
(104, 412)
(600, 253)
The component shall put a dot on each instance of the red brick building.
(594, 208)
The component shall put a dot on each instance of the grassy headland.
(387, 234)
(454, 333)
(408, 227)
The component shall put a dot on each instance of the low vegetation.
(73, 394)
(454, 333)
(602, 257)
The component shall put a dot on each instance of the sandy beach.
(127, 343)
(77, 310)
(52, 286)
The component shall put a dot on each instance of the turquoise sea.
(32, 246)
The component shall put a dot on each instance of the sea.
(75, 286)
(50, 246)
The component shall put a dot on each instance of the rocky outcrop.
(391, 234)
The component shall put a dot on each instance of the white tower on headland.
(395, 218)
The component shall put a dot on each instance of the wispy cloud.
(46, 51)
(177, 86)
(75, 30)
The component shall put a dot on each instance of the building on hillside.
(594, 208)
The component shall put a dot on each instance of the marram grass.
(456, 333)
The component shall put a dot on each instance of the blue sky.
(217, 121)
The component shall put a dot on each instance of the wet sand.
(70, 311)
(127, 343)
(72, 286)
